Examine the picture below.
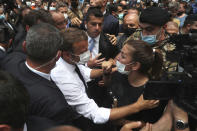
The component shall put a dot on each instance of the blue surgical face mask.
(2, 16)
(120, 16)
(150, 39)
(52, 8)
(121, 67)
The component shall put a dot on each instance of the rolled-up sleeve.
(85, 106)
(73, 89)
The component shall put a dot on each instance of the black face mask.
(193, 30)
(129, 31)
(74, 4)
(170, 34)
(180, 13)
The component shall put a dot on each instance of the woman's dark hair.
(150, 61)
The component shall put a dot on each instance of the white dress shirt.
(95, 50)
(68, 81)
(46, 76)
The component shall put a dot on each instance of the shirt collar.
(66, 64)
(96, 38)
(45, 75)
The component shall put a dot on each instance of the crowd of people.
(92, 65)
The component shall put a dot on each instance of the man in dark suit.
(6, 34)
(47, 104)
(111, 22)
(101, 49)
(98, 42)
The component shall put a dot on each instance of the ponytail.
(156, 70)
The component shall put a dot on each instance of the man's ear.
(188, 26)
(24, 47)
(65, 55)
(164, 27)
(135, 66)
(5, 128)
(27, 28)
(113, 13)
(10, 43)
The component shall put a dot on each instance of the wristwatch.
(181, 125)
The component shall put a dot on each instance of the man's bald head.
(64, 128)
(59, 20)
(172, 27)
(99, 3)
(123, 2)
(133, 11)
(131, 21)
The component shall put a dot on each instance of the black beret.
(155, 16)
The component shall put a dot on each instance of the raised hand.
(146, 104)
(76, 21)
(95, 62)
(112, 39)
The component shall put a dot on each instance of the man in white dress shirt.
(75, 51)
(47, 105)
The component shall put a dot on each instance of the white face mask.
(45, 7)
(84, 58)
(52, 8)
(121, 67)
(28, 3)
(65, 16)
(33, 4)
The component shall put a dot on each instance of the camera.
(181, 86)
